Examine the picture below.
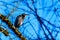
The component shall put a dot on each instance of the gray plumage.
(19, 20)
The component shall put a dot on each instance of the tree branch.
(4, 19)
(5, 32)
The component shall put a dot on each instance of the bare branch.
(4, 19)
(5, 32)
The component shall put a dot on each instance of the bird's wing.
(20, 21)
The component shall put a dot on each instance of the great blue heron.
(19, 20)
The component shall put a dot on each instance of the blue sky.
(31, 27)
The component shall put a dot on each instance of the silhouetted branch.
(44, 32)
(5, 32)
(4, 19)
(49, 22)
(40, 21)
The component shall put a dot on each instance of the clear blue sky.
(31, 28)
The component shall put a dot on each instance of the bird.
(19, 20)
